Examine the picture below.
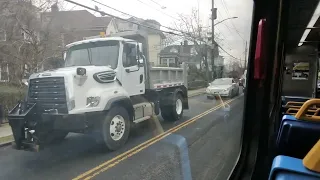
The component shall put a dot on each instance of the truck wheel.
(173, 112)
(115, 128)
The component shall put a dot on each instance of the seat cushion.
(289, 168)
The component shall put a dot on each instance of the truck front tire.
(116, 128)
(174, 111)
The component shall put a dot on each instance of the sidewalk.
(6, 133)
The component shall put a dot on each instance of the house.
(76, 25)
(154, 36)
(173, 55)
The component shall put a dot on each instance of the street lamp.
(225, 20)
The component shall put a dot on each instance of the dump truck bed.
(165, 77)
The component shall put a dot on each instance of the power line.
(133, 15)
(158, 10)
(104, 13)
(139, 18)
(224, 23)
(227, 52)
(168, 32)
(227, 11)
(162, 7)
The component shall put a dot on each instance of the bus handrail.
(301, 114)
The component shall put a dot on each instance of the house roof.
(79, 19)
(101, 21)
(168, 49)
(148, 22)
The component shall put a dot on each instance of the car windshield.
(222, 82)
(93, 53)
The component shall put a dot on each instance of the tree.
(235, 69)
(28, 41)
(192, 29)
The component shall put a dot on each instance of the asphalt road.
(203, 145)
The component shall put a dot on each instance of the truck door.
(133, 79)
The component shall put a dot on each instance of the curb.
(7, 140)
(6, 144)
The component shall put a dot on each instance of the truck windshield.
(93, 53)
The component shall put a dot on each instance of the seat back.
(296, 137)
(293, 103)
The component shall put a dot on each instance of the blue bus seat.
(289, 168)
(296, 137)
(285, 107)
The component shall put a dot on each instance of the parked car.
(225, 87)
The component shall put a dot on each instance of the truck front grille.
(48, 93)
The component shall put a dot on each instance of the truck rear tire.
(174, 111)
(116, 128)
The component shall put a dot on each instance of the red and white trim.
(159, 86)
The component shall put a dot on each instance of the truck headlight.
(93, 101)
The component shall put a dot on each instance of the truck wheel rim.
(117, 127)
(178, 106)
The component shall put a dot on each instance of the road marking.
(116, 160)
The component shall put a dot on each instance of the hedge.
(10, 96)
(197, 84)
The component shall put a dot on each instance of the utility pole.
(213, 17)
(245, 56)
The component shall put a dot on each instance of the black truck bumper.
(30, 127)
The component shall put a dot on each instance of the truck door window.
(128, 56)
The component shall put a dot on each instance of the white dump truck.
(105, 85)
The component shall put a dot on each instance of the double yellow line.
(116, 160)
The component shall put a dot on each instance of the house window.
(29, 37)
(4, 73)
(170, 62)
(3, 35)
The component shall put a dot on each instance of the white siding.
(154, 42)
(111, 29)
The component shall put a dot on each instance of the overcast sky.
(151, 9)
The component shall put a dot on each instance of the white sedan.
(225, 87)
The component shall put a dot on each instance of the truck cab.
(105, 85)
